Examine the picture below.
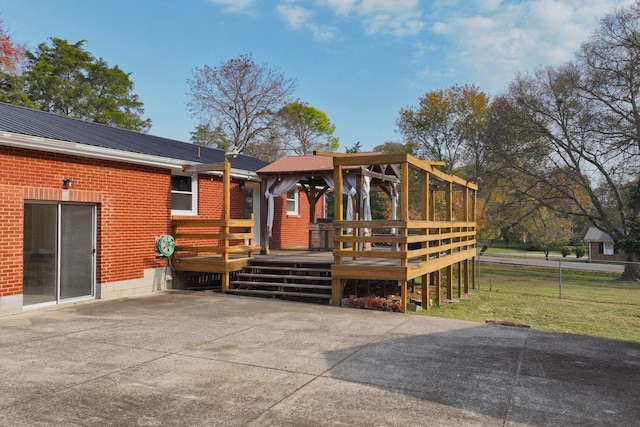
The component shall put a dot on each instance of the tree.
(11, 52)
(549, 231)
(582, 127)
(355, 148)
(241, 98)
(207, 137)
(12, 55)
(65, 79)
(306, 129)
(446, 125)
(391, 147)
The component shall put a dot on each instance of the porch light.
(67, 183)
(233, 154)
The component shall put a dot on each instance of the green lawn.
(596, 304)
(518, 249)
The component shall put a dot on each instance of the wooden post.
(336, 292)
(403, 295)
(337, 204)
(226, 216)
(459, 279)
(425, 292)
(437, 276)
(450, 281)
(473, 273)
(466, 276)
(226, 208)
(337, 284)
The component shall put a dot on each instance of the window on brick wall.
(607, 248)
(292, 202)
(184, 195)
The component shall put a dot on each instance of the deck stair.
(293, 279)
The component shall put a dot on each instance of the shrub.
(565, 251)
(580, 251)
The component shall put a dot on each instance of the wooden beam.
(381, 176)
(204, 167)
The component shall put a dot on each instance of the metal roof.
(25, 121)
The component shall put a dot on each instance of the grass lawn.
(596, 304)
(517, 249)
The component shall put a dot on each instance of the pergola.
(432, 226)
(314, 174)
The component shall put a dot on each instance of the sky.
(358, 61)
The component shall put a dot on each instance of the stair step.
(281, 293)
(278, 284)
(283, 276)
(252, 266)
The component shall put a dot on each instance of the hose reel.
(165, 245)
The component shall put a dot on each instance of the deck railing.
(214, 237)
(443, 242)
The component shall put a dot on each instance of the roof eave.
(29, 142)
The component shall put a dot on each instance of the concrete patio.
(181, 358)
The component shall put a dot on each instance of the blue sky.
(359, 61)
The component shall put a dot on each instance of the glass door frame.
(58, 254)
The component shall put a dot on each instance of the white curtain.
(393, 190)
(366, 192)
(277, 187)
(348, 188)
(366, 201)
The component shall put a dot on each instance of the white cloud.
(235, 5)
(298, 17)
(295, 16)
(340, 7)
(323, 33)
(489, 41)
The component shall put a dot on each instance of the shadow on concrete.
(519, 375)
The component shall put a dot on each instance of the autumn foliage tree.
(446, 126)
(577, 133)
(12, 55)
(11, 52)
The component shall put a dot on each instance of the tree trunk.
(631, 271)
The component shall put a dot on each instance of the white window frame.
(194, 197)
(295, 200)
(607, 248)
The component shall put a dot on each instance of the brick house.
(82, 205)
(602, 247)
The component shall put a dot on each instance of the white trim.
(295, 200)
(194, 196)
(607, 248)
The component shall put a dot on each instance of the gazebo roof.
(297, 164)
(306, 165)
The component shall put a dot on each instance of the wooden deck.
(400, 250)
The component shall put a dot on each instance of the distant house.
(602, 247)
(82, 205)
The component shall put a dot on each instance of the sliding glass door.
(59, 242)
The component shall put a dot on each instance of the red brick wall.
(596, 255)
(291, 231)
(133, 207)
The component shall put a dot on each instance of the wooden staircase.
(301, 280)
